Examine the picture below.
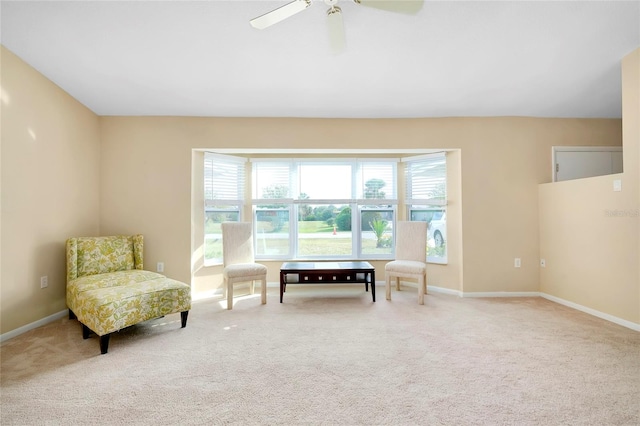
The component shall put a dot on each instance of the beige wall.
(67, 172)
(50, 160)
(146, 182)
(589, 234)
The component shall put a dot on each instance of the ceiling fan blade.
(279, 14)
(335, 26)
(401, 6)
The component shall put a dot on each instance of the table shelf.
(327, 273)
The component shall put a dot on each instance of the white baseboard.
(430, 288)
(44, 321)
(501, 294)
(452, 292)
(443, 290)
(590, 311)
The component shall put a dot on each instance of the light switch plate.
(617, 185)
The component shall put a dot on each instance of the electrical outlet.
(160, 267)
(44, 282)
(543, 263)
(517, 262)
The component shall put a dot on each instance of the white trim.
(424, 203)
(230, 158)
(377, 202)
(590, 311)
(272, 201)
(44, 321)
(452, 292)
(443, 154)
(324, 160)
(443, 290)
(501, 294)
(430, 288)
(586, 148)
(325, 151)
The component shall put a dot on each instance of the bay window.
(426, 200)
(325, 208)
(223, 199)
(321, 197)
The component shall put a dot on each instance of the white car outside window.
(437, 231)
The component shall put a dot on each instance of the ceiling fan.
(334, 15)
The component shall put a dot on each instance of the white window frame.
(231, 201)
(417, 202)
(356, 202)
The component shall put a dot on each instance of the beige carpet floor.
(329, 356)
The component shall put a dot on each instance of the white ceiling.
(454, 58)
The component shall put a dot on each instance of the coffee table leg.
(373, 285)
(281, 285)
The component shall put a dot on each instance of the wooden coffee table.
(328, 273)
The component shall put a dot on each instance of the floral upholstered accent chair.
(108, 289)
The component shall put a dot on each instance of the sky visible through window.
(325, 182)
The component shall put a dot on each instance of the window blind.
(272, 180)
(426, 179)
(376, 181)
(224, 180)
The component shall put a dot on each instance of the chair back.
(237, 243)
(411, 241)
(100, 255)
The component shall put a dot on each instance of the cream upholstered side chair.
(411, 256)
(238, 259)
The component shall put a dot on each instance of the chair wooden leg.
(387, 286)
(252, 287)
(424, 283)
(183, 318)
(398, 283)
(86, 332)
(263, 290)
(104, 343)
(421, 290)
(229, 286)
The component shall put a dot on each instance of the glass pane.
(436, 230)
(377, 180)
(213, 233)
(377, 231)
(325, 181)
(272, 180)
(272, 231)
(324, 230)
(426, 179)
(224, 179)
